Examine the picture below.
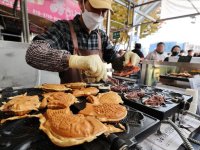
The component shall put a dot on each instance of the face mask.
(175, 53)
(92, 20)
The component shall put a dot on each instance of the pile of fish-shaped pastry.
(60, 124)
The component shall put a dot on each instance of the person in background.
(182, 53)
(174, 52)
(191, 53)
(168, 54)
(137, 50)
(195, 55)
(77, 48)
(158, 53)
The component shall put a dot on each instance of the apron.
(76, 75)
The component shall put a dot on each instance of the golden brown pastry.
(21, 105)
(58, 100)
(66, 129)
(93, 99)
(76, 85)
(105, 112)
(113, 129)
(19, 117)
(85, 91)
(110, 97)
(173, 74)
(54, 87)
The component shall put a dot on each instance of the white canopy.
(174, 8)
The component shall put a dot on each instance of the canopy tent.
(185, 27)
(35, 15)
(178, 8)
(49, 9)
(170, 9)
(66, 9)
(179, 31)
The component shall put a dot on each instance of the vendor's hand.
(92, 65)
(93, 78)
(131, 58)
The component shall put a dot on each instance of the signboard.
(50, 9)
(116, 35)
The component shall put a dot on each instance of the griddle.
(162, 112)
(178, 78)
(25, 134)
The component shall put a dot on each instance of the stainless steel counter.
(151, 71)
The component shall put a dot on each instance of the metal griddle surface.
(178, 78)
(161, 112)
(25, 134)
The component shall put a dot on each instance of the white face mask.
(92, 20)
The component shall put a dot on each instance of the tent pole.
(160, 20)
(108, 23)
(25, 21)
(146, 3)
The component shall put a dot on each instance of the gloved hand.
(132, 58)
(92, 65)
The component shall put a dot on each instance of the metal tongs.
(109, 81)
(112, 81)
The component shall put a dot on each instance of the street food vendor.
(77, 48)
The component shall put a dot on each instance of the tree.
(119, 20)
(147, 29)
(122, 19)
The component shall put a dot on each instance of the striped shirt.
(51, 50)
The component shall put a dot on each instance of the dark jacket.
(138, 52)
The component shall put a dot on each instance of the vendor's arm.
(109, 54)
(50, 50)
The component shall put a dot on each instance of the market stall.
(130, 110)
(177, 74)
(144, 105)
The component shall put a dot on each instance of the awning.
(49, 9)
(175, 8)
